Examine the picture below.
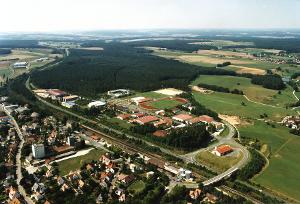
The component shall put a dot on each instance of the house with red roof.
(182, 117)
(146, 119)
(222, 150)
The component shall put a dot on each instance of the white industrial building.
(118, 93)
(96, 104)
(38, 151)
(20, 65)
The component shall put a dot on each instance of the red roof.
(202, 118)
(138, 115)
(183, 117)
(146, 119)
(56, 92)
(224, 149)
(124, 116)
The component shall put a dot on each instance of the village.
(113, 174)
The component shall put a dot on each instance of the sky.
(84, 15)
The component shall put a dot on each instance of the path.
(259, 102)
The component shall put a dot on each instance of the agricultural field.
(223, 43)
(253, 92)
(29, 55)
(241, 61)
(282, 174)
(217, 163)
(231, 104)
(75, 163)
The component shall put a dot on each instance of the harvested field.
(169, 91)
(243, 69)
(201, 90)
(234, 120)
(224, 53)
(210, 60)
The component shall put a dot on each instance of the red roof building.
(146, 119)
(123, 116)
(203, 118)
(222, 150)
(56, 92)
(182, 117)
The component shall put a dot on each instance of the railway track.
(230, 190)
(136, 149)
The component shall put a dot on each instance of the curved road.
(223, 140)
(18, 158)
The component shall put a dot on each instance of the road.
(222, 140)
(18, 157)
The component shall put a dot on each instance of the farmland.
(242, 60)
(253, 92)
(231, 104)
(284, 162)
(29, 55)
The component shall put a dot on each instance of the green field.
(253, 92)
(217, 163)
(150, 94)
(137, 186)
(121, 123)
(231, 104)
(164, 104)
(282, 175)
(73, 164)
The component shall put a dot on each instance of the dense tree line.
(143, 129)
(5, 51)
(19, 44)
(224, 64)
(183, 45)
(269, 81)
(189, 137)
(220, 89)
(117, 66)
(253, 167)
(295, 75)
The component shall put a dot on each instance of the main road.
(18, 157)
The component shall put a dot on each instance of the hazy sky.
(60, 15)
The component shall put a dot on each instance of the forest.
(220, 89)
(117, 66)
(5, 51)
(269, 81)
(190, 137)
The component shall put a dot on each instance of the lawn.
(225, 132)
(220, 164)
(282, 175)
(73, 164)
(231, 104)
(164, 104)
(121, 123)
(254, 92)
(137, 186)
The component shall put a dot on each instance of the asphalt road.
(18, 158)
